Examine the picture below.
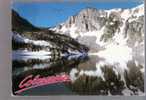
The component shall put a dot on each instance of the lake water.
(88, 76)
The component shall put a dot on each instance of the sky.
(43, 13)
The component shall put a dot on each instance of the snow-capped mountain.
(115, 35)
(103, 26)
(108, 32)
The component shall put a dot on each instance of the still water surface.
(87, 76)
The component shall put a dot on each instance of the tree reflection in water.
(111, 82)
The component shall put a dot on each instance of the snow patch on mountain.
(93, 22)
(19, 38)
(116, 35)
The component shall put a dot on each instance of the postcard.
(78, 47)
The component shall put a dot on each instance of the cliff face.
(88, 20)
(106, 25)
(116, 35)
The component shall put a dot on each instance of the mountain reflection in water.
(87, 75)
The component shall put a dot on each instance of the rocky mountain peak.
(87, 20)
(92, 19)
(98, 27)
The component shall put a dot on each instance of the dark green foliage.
(134, 77)
(20, 24)
(113, 82)
(58, 41)
(94, 85)
(88, 85)
(21, 46)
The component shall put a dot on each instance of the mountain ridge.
(88, 12)
(27, 37)
(105, 25)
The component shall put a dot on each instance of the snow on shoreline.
(31, 53)
(25, 55)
